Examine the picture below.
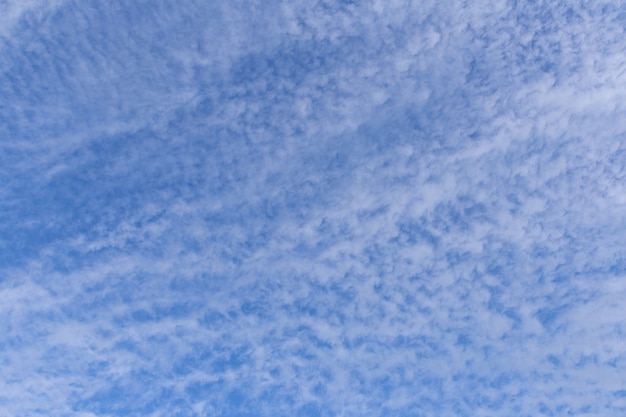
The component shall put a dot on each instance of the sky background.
(312, 208)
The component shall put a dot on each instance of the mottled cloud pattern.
(330, 208)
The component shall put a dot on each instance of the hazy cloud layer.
(312, 208)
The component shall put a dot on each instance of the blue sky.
(312, 208)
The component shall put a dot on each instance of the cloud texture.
(331, 208)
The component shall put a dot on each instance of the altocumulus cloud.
(330, 208)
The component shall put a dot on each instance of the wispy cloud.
(329, 209)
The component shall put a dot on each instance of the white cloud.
(12, 11)
(315, 209)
